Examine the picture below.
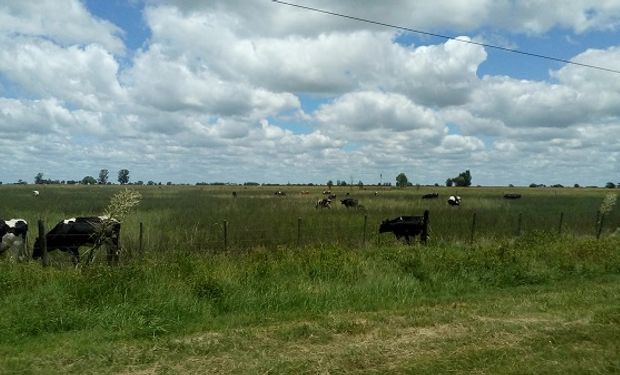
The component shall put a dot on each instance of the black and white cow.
(454, 200)
(407, 227)
(323, 203)
(430, 196)
(71, 234)
(13, 235)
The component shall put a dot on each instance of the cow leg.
(75, 255)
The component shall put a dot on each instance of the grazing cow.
(234, 194)
(71, 234)
(323, 203)
(331, 196)
(279, 193)
(407, 227)
(512, 196)
(305, 192)
(430, 196)
(13, 234)
(35, 193)
(349, 202)
(454, 200)
(327, 192)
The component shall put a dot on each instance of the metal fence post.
(364, 232)
(45, 260)
(473, 229)
(299, 232)
(141, 239)
(225, 235)
(600, 226)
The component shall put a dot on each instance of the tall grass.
(193, 218)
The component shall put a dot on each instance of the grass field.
(538, 302)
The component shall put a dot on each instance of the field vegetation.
(324, 299)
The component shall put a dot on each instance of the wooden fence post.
(299, 232)
(45, 260)
(519, 220)
(561, 222)
(473, 229)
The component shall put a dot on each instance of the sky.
(256, 91)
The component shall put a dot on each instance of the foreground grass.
(537, 304)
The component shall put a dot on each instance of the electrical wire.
(557, 59)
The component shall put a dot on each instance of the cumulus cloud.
(65, 22)
(226, 83)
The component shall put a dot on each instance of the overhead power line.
(557, 59)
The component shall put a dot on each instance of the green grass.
(515, 306)
(537, 302)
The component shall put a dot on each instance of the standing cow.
(71, 234)
(13, 235)
(323, 203)
(407, 227)
(349, 202)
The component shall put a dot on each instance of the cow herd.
(95, 231)
(67, 236)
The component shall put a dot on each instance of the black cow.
(430, 196)
(13, 234)
(512, 196)
(279, 193)
(71, 234)
(349, 202)
(407, 227)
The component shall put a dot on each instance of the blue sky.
(236, 91)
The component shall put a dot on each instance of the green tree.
(88, 180)
(401, 180)
(38, 179)
(610, 185)
(449, 182)
(463, 179)
(103, 177)
(330, 183)
(123, 176)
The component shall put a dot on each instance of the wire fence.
(467, 227)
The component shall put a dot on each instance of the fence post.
(424, 234)
(140, 239)
(45, 260)
(600, 226)
(364, 232)
(225, 235)
(561, 221)
(519, 220)
(299, 232)
(473, 229)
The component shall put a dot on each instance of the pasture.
(193, 218)
(323, 296)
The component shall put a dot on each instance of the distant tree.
(38, 179)
(123, 176)
(150, 182)
(401, 180)
(360, 183)
(463, 179)
(103, 177)
(342, 183)
(88, 180)
(610, 185)
(449, 182)
(330, 183)
(576, 185)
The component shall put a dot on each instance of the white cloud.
(66, 22)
